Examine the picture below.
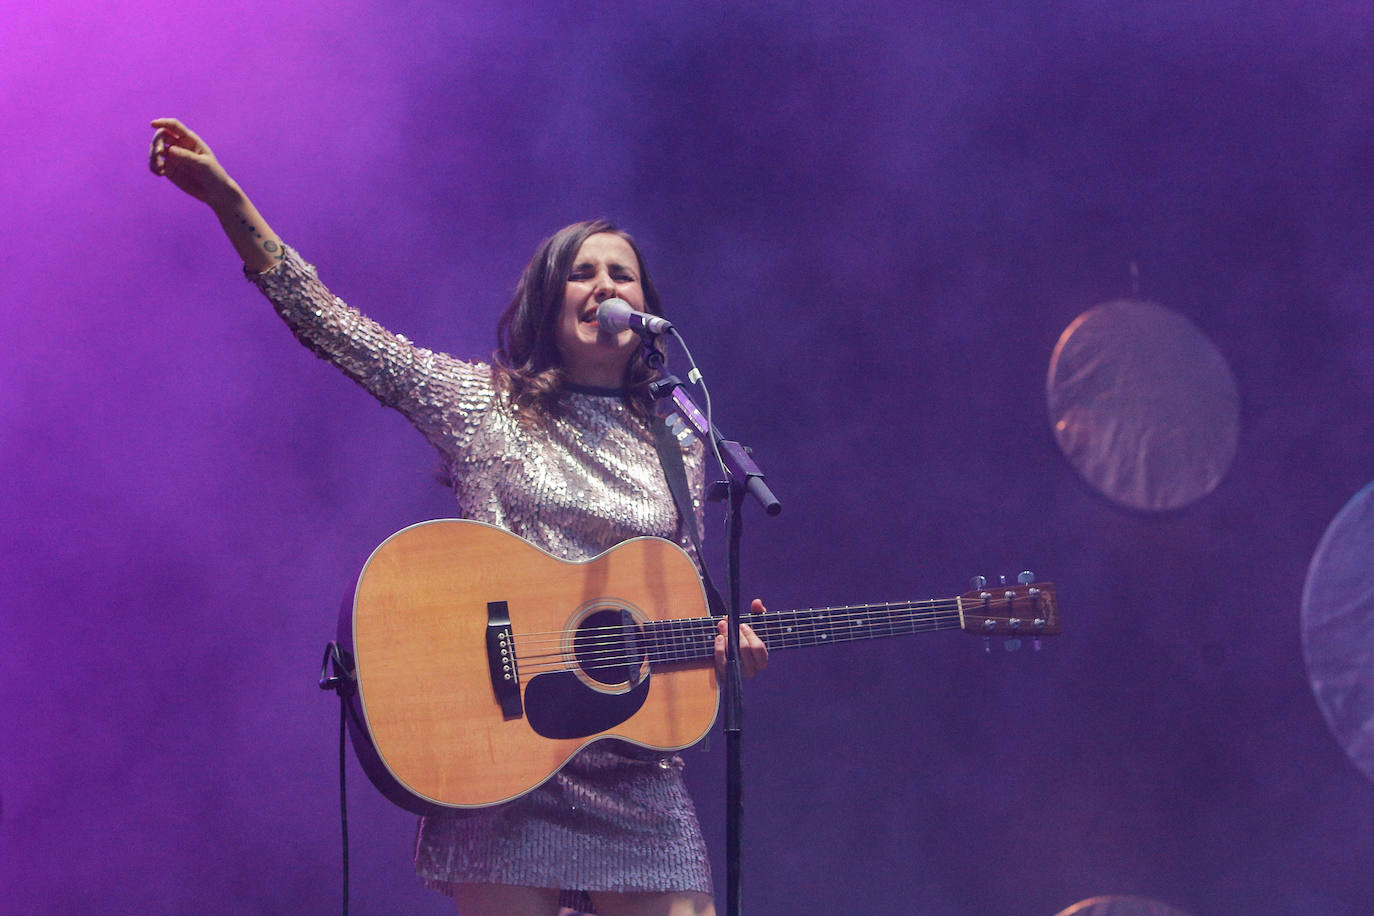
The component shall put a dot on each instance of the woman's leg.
(676, 903)
(505, 900)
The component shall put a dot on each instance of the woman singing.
(551, 441)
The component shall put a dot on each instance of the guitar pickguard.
(559, 705)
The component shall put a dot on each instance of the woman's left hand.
(753, 654)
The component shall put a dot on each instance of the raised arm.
(179, 155)
(424, 385)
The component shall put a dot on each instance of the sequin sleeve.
(695, 461)
(443, 397)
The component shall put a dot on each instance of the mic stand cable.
(345, 684)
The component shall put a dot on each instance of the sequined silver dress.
(617, 817)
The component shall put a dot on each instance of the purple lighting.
(871, 223)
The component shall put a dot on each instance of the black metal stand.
(734, 714)
(742, 475)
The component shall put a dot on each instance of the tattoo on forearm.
(273, 249)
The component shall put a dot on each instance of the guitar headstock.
(1027, 609)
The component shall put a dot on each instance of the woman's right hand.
(186, 160)
(178, 154)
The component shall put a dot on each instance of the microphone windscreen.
(614, 315)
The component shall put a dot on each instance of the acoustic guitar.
(482, 663)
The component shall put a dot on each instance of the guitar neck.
(694, 638)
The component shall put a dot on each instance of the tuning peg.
(1026, 578)
(1011, 645)
(979, 582)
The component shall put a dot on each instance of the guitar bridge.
(505, 674)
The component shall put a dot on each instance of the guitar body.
(438, 726)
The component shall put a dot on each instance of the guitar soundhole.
(607, 650)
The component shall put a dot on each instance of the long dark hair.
(527, 365)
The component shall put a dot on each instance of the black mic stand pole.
(743, 474)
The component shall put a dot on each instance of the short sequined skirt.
(616, 818)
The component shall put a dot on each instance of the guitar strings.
(814, 615)
(802, 621)
(684, 639)
(562, 661)
(776, 626)
(781, 623)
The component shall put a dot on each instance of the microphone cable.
(344, 683)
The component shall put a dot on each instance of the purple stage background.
(871, 221)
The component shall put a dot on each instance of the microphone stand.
(742, 475)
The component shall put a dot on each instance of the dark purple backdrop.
(872, 221)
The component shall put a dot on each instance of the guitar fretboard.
(694, 638)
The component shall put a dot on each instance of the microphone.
(616, 315)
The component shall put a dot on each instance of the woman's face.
(605, 268)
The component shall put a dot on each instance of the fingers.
(180, 156)
(160, 150)
(753, 653)
(163, 138)
(179, 166)
(156, 162)
(178, 133)
(171, 137)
